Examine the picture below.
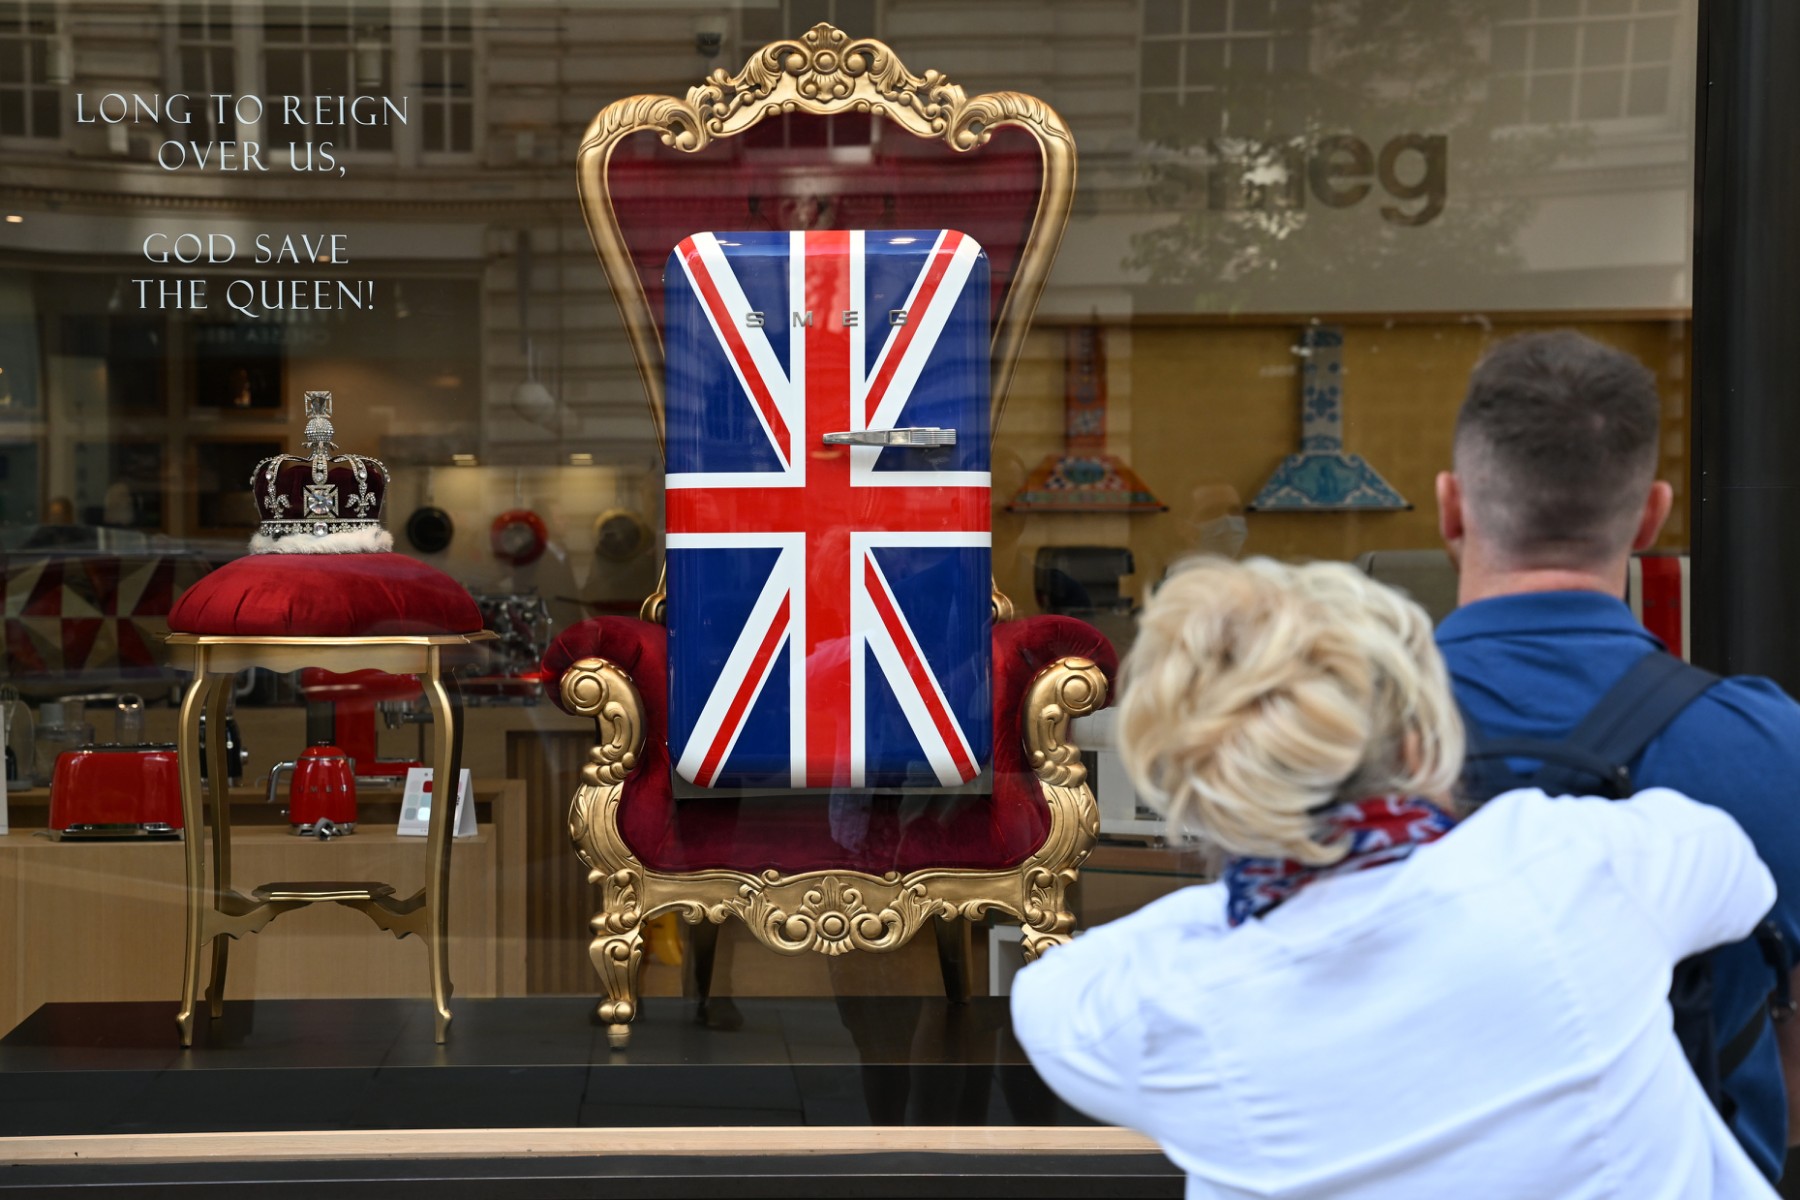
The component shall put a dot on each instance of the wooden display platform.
(102, 921)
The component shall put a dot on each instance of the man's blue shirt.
(1532, 665)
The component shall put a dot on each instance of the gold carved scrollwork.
(655, 607)
(618, 946)
(823, 912)
(1000, 604)
(1066, 689)
(832, 916)
(596, 688)
(825, 72)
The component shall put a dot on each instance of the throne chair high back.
(834, 788)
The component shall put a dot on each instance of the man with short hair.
(1554, 487)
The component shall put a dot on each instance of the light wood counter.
(103, 920)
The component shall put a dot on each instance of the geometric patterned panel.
(90, 615)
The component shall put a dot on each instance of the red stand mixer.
(341, 728)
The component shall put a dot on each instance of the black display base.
(949, 1176)
(539, 1062)
(544, 1063)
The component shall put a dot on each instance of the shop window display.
(1293, 230)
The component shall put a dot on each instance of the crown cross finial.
(319, 432)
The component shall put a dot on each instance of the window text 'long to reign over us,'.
(244, 113)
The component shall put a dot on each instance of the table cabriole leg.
(218, 796)
(193, 842)
(446, 774)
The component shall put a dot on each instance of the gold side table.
(227, 913)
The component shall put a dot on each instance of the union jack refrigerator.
(828, 509)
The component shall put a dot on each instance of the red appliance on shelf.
(1657, 589)
(341, 711)
(322, 792)
(109, 791)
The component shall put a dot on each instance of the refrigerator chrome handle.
(921, 435)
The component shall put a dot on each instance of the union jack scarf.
(1381, 830)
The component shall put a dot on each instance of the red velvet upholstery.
(809, 831)
(325, 595)
(1022, 648)
(780, 175)
(641, 650)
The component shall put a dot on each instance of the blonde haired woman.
(1374, 1001)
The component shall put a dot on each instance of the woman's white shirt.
(1487, 1017)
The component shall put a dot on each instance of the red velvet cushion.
(810, 831)
(1022, 648)
(325, 595)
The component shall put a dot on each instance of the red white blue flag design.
(828, 604)
(1374, 833)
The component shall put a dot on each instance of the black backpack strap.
(1780, 956)
(1485, 771)
(1579, 766)
(1597, 754)
(1630, 715)
(1780, 1003)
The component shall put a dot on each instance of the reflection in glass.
(1207, 16)
(1602, 94)
(1649, 92)
(1255, 167)
(1162, 18)
(1161, 65)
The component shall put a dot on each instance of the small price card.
(415, 805)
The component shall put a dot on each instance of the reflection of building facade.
(460, 218)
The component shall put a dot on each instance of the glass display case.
(1240, 257)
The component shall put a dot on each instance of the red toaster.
(116, 791)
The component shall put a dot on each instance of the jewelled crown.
(324, 502)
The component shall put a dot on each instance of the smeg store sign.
(1340, 170)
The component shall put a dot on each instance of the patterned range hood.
(1322, 477)
(1084, 477)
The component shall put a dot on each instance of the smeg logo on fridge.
(850, 318)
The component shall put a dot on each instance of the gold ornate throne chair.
(827, 132)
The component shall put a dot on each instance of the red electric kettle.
(322, 792)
